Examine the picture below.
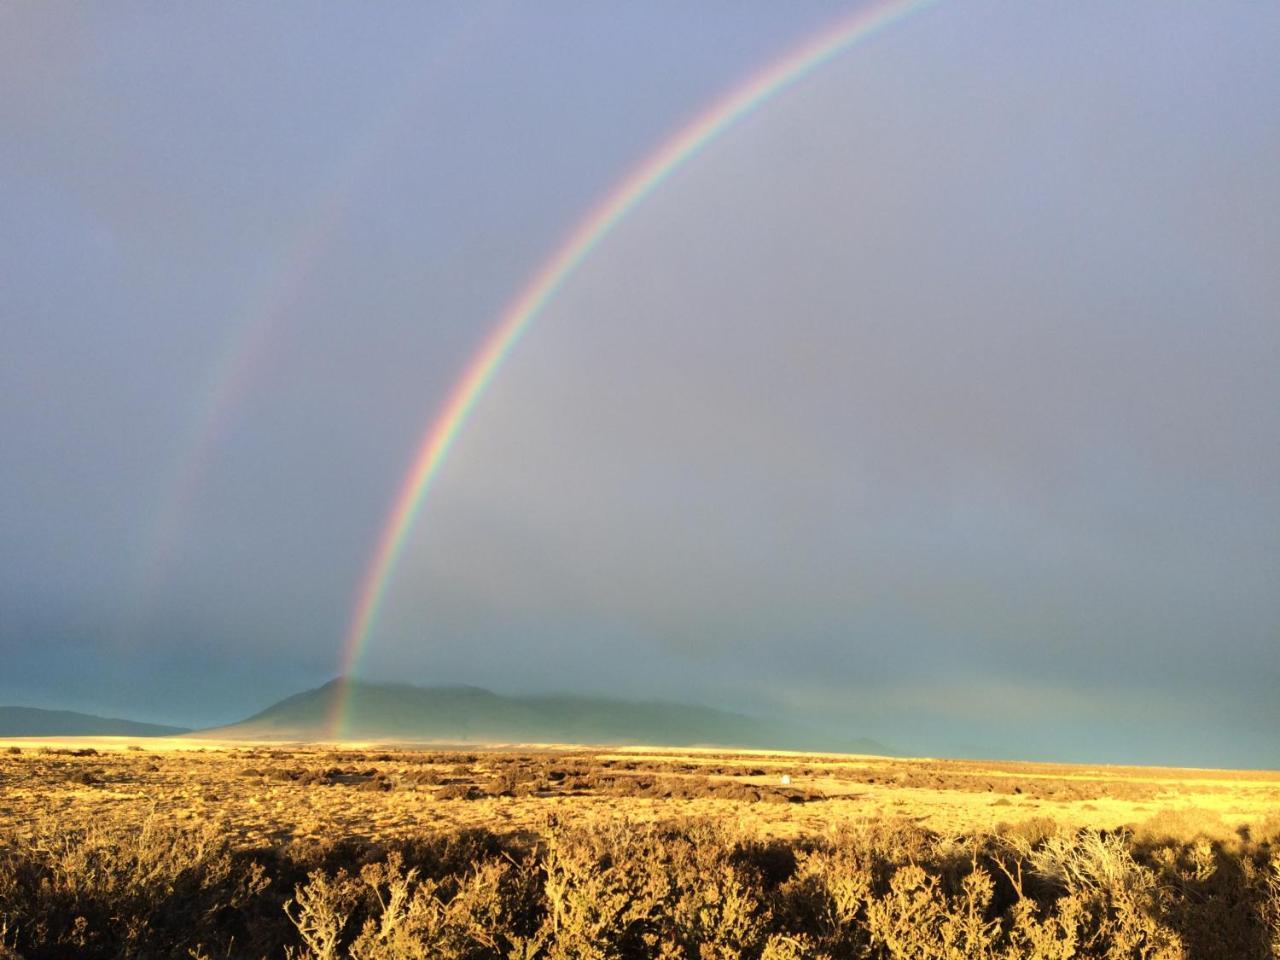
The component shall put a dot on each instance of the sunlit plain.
(312, 841)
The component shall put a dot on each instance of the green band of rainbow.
(517, 317)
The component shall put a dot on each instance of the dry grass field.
(195, 848)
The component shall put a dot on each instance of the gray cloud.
(935, 401)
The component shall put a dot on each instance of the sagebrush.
(691, 889)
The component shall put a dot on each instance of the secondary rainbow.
(266, 315)
(520, 313)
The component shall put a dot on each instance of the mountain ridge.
(38, 722)
(461, 713)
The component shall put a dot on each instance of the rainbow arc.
(599, 222)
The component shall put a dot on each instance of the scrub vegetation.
(251, 851)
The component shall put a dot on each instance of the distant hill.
(462, 714)
(32, 722)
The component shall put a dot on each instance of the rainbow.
(576, 248)
(223, 391)
(231, 379)
(265, 316)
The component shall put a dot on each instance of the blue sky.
(935, 401)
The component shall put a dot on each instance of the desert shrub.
(1269, 830)
(405, 915)
(626, 890)
(458, 791)
(479, 915)
(424, 777)
(1029, 832)
(1269, 910)
(826, 897)
(916, 918)
(503, 785)
(320, 911)
(1220, 895)
(1180, 825)
(718, 908)
(615, 890)
(601, 893)
(1120, 899)
(105, 891)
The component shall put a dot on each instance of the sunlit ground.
(275, 793)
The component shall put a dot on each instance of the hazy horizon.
(934, 402)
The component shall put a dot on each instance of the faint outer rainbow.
(584, 238)
(264, 317)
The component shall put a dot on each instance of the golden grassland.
(206, 848)
(268, 794)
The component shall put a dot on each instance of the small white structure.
(785, 779)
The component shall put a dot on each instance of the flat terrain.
(270, 794)
(200, 848)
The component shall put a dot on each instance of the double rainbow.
(544, 284)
